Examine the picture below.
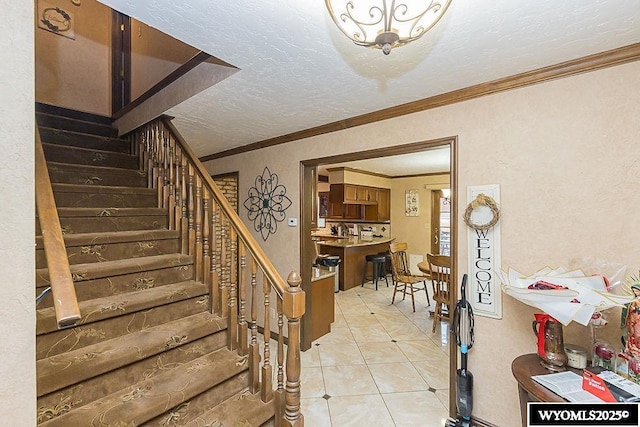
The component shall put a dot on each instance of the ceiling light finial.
(385, 24)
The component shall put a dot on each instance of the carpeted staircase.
(148, 350)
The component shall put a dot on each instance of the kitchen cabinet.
(383, 200)
(323, 204)
(352, 194)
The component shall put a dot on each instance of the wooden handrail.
(65, 301)
(243, 233)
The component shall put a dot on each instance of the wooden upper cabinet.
(352, 194)
(383, 197)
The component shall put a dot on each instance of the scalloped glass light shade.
(385, 24)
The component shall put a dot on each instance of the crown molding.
(585, 64)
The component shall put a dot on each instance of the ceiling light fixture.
(385, 24)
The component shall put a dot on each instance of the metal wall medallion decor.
(267, 203)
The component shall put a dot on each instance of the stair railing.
(219, 242)
(63, 289)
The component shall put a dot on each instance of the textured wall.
(153, 56)
(566, 156)
(416, 230)
(76, 73)
(17, 317)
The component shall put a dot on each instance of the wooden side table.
(523, 367)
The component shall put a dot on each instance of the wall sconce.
(446, 193)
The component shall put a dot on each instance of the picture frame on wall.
(56, 19)
(412, 202)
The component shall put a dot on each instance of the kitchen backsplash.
(379, 230)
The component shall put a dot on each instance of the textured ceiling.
(298, 71)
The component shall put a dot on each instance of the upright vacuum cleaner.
(463, 330)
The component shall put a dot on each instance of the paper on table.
(567, 385)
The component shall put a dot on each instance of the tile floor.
(380, 366)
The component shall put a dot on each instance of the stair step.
(144, 400)
(128, 282)
(242, 409)
(99, 270)
(103, 196)
(104, 308)
(67, 123)
(110, 246)
(95, 175)
(120, 318)
(84, 140)
(89, 220)
(53, 404)
(55, 110)
(84, 156)
(69, 368)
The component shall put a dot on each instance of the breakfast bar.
(353, 251)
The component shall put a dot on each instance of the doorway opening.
(311, 204)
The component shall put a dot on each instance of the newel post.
(293, 309)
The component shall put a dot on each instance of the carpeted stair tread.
(100, 238)
(145, 400)
(103, 189)
(56, 110)
(103, 308)
(69, 212)
(242, 409)
(70, 173)
(89, 156)
(69, 368)
(98, 270)
(67, 123)
(84, 140)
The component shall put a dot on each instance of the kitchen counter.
(352, 241)
(352, 252)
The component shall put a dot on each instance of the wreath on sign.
(482, 200)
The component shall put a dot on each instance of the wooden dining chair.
(440, 266)
(405, 282)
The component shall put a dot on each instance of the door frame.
(308, 219)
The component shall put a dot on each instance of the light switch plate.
(292, 222)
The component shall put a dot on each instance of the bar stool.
(377, 269)
(387, 265)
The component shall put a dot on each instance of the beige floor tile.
(359, 411)
(443, 396)
(365, 334)
(338, 335)
(382, 352)
(418, 408)
(340, 354)
(362, 320)
(316, 412)
(348, 380)
(403, 331)
(311, 382)
(397, 377)
(423, 349)
(437, 376)
(310, 358)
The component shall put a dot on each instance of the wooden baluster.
(155, 140)
(242, 302)
(177, 186)
(267, 370)
(198, 230)
(232, 321)
(279, 394)
(184, 222)
(224, 293)
(171, 204)
(294, 301)
(206, 256)
(214, 289)
(191, 213)
(149, 156)
(163, 190)
(254, 348)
